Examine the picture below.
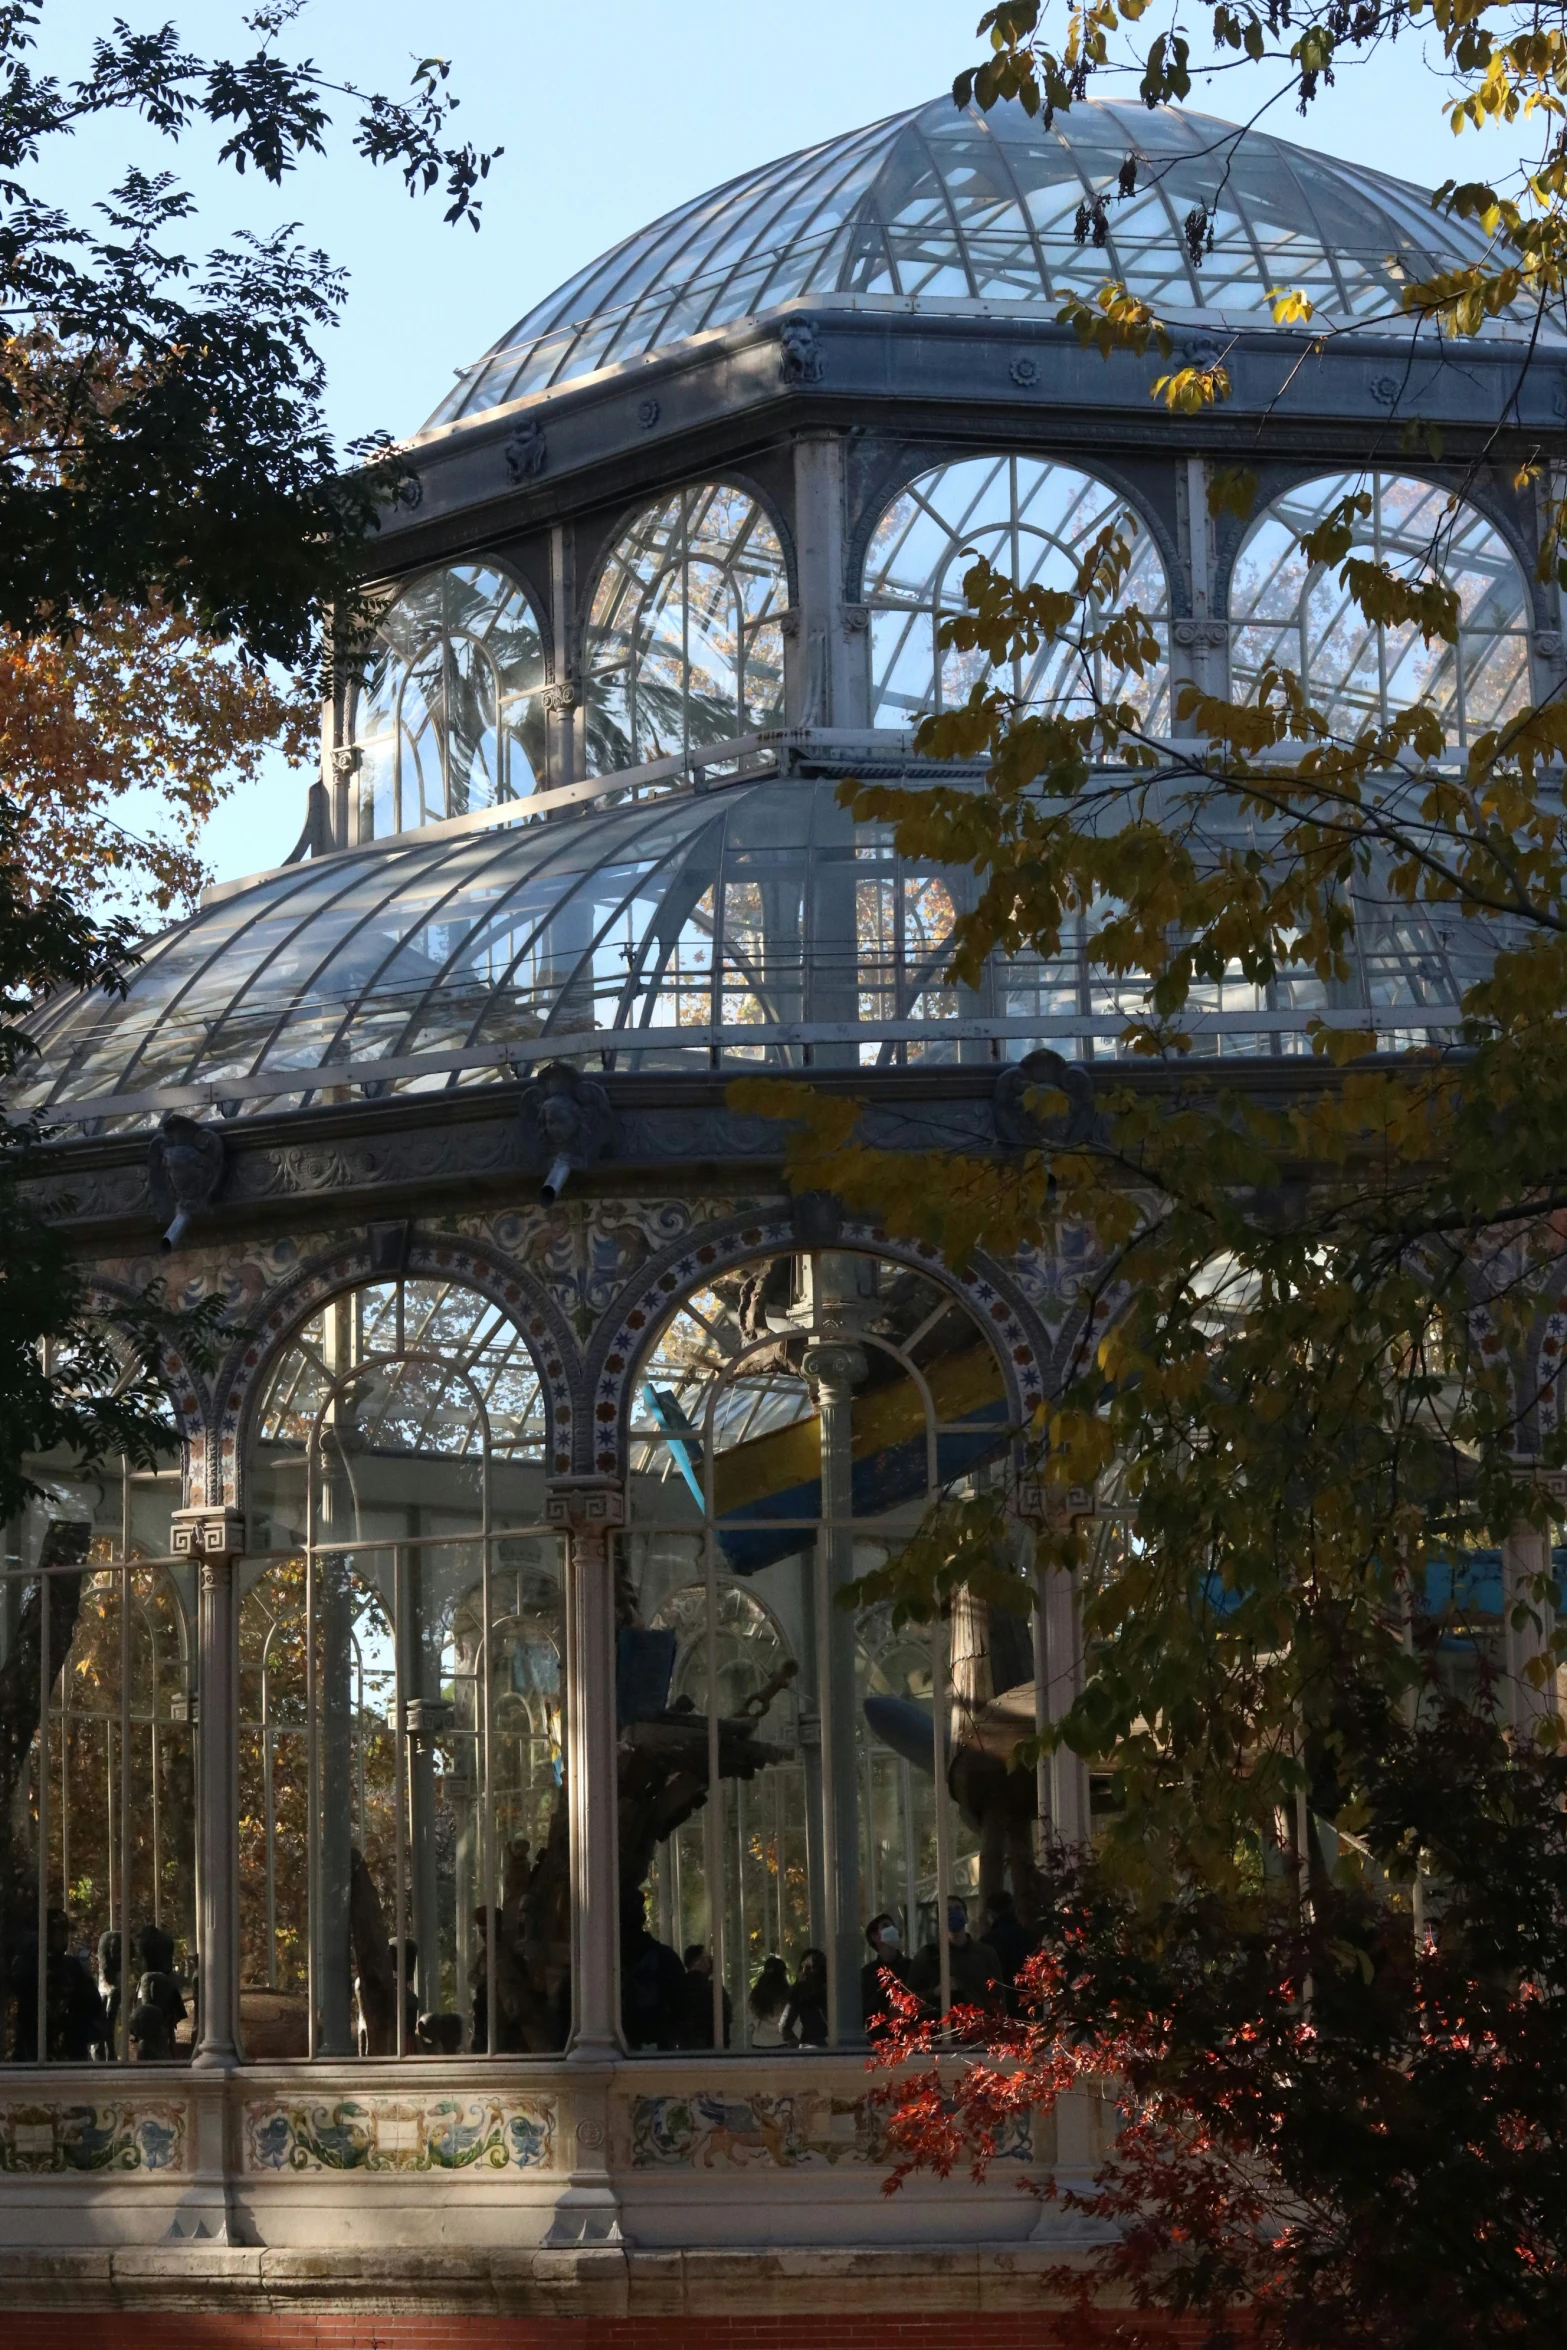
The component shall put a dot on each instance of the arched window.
(790, 1426)
(450, 713)
(1291, 613)
(97, 1771)
(403, 1861)
(1035, 521)
(685, 639)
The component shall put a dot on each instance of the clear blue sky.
(609, 113)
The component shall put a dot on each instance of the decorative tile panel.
(45, 2139)
(399, 2134)
(803, 2129)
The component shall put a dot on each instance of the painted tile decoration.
(399, 2134)
(801, 2130)
(39, 2139)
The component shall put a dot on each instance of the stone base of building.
(201, 2297)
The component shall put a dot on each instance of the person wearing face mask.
(976, 1971)
(887, 1959)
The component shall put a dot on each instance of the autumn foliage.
(1337, 2124)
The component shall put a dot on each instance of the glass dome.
(747, 926)
(966, 210)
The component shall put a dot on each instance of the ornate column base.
(588, 2210)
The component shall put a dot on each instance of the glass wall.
(404, 1885)
(794, 1771)
(97, 1772)
(1035, 521)
(1293, 614)
(684, 642)
(449, 716)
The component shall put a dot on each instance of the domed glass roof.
(750, 925)
(968, 210)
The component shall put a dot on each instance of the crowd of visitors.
(81, 2001)
(667, 2002)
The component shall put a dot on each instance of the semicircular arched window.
(791, 1423)
(1034, 520)
(450, 713)
(1290, 613)
(403, 1887)
(685, 638)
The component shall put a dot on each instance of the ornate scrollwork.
(1206, 636)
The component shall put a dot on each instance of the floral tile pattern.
(63, 2138)
(398, 2134)
(806, 2129)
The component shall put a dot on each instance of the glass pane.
(1293, 615)
(789, 1428)
(403, 1806)
(1033, 520)
(97, 1773)
(683, 645)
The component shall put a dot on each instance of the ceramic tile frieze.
(399, 2134)
(117, 2136)
(796, 2130)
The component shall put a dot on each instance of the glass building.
(447, 1802)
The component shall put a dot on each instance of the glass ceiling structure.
(966, 210)
(750, 925)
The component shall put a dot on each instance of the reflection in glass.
(1289, 613)
(790, 1426)
(450, 714)
(1035, 521)
(403, 1861)
(684, 643)
(97, 1772)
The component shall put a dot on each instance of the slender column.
(588, 1509)
(1526, 1558)
(829, 679)
(214, 1539)
(835, 1368)
(1200, 638)
(561, 697)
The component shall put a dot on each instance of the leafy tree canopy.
(1313, 1380)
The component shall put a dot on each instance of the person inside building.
(73, 2012)
(803, 2023)
(1007, 1935)
(888, 1959)
(158, 1989)
(652, 1980)
(976, 1971)
(769, 1997)
(696, 2014)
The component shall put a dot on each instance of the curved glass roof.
(968, 210)
(750, 925)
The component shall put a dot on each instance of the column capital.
(585, 1505)
(215, 1536)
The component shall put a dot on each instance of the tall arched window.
(450, 714)
(403, 1839)
(685, 639)
(97, 1775)
(1035, 521)
(1291, 613)
(790, 1426)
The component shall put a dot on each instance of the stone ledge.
(607, 2282)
